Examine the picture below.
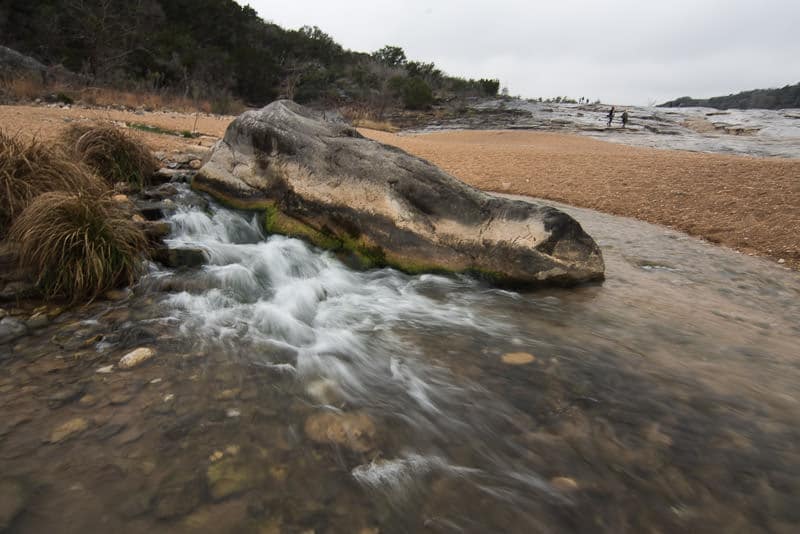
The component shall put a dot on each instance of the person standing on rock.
(624, 118)
(610, 116)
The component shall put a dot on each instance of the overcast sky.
(620, 51)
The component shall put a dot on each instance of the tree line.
(208, 48)
(783, 98)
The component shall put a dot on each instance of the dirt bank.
(750, 204)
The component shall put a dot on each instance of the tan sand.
(44, 122)
(750, 204)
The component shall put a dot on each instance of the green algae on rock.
(318, 179)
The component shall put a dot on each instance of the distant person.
(624, 118)
(611, 115)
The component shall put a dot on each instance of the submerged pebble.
(136, 358)
(518, 358)
(69, 429)
(355, 431)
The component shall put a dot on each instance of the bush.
(80, 244)
(111, 153)
(417, 94)
(28, 169)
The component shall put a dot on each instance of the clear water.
(666, 399)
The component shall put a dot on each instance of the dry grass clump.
(29, 168)
(80, 244)
(363, 117)
(111, 153)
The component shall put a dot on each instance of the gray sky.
(620, 51)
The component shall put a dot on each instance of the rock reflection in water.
(288, 393)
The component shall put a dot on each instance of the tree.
(392, 56)
(417, 94)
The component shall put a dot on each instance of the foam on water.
(325, 319)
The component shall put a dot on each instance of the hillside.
(783, 98)
(215, 49)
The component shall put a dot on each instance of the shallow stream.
(289, 393)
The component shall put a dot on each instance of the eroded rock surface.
(321, 180)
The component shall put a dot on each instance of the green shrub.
(79, 245)
(28, 168)
(111, 153)
(417, 94)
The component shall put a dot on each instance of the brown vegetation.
(28, 168)
(80, 244)
(111, 153)
(31, 88)
(366, 117)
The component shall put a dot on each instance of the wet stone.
(180, 257)
(88, 401)
(65, 395)
(355, 431)
(69, 429)
(129, 436)
(121, 397)
(177, 496)
(136, 358)
(228, 477)
(107, 431)
(11, 329)
(37, 320)
(117, 294)
(518, 358)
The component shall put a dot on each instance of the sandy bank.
(750, 204)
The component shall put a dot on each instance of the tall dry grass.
(79, 243)
(365, 117)
(29, 168)
(29, 88)
(111, 153)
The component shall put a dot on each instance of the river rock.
(355, 431)
(228, 477)
(69, 429)
(136, 358)
(177, 495)
(180, 257)
(518, 358)
(320, 180)
(11, 329)
(37, 320)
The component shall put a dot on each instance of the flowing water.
(290, 393)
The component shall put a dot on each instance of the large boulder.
(319, 179)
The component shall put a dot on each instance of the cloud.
(625, 51)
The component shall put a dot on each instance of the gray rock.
(37, 320)
(180, 257)
(322, 181)
(155, 230)
(18, 290)
(153, 211)
(11, 329)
